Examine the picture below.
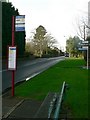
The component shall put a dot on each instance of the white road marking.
(32, 76)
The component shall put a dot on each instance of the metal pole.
(13, 73)
(84, 33)
(87, 56)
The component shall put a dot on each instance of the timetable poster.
(12, 58)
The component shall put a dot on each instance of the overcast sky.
(59, 17)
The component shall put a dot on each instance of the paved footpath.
(14, 107)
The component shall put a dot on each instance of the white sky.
(57, 16)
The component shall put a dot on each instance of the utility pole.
(84, 33)
(85, 52)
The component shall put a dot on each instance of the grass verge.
(51, 80)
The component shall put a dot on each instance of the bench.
(56, 103)
(51, 106)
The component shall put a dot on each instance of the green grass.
(51, 80)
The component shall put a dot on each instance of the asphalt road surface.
(27, 69)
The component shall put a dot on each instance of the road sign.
(85, 42)
(20, 23)
(82, 49)
(85, 47)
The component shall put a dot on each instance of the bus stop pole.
(13, 73)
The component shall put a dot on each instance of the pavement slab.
(15, 107)
(9, 103)
(26, 110)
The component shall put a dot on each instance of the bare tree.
(83, 32)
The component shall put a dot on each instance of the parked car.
(66, 54)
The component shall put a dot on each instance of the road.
(26, 69)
